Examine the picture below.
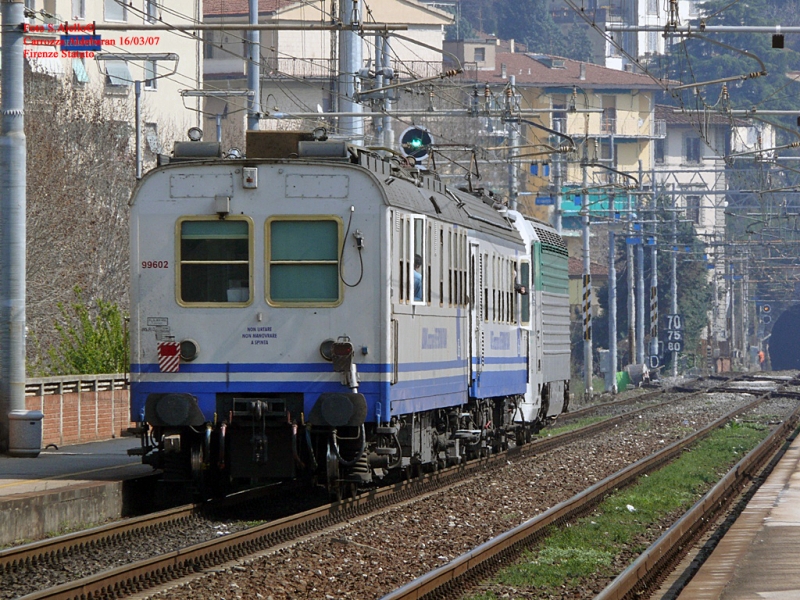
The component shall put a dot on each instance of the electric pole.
(587, 281)
(640, 277)
(12, 219)
(350, 62)
(611, 382)
(513, 136)
(254, 69)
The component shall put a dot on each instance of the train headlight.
(326, 349)
(189, 350)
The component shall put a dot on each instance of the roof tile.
(668, 114)
(242, 7)
(530, 68)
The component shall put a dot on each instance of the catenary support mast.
(254, 69)
(12, 219)
(350, 63)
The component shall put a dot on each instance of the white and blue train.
(317, 311)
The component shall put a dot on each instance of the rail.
(657, 558)
(139, 576)
(483, 560)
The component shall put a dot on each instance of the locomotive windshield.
(214, 261)
(303, 261)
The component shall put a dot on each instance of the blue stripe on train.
(501, 360)
(206, 393)
(490, 384)
(405, 396)
(258, 368)
(323, 367)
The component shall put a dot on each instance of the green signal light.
(416, 142)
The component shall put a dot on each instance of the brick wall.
(80, 408)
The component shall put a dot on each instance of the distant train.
(315, 311)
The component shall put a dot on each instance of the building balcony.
(608, 125)
(313, 68)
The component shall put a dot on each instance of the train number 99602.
(155, 264)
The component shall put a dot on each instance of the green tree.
(92, 338)
(530, 22)
(580, 46)
(482, 14)
(461, 29)
(698, 60)
(694, 290)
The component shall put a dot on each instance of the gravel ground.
(371, 556)
(169, 538)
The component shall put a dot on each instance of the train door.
(475, 312)
(536, 295)
(525, 301)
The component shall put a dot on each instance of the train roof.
(424, 194)
(403, 186)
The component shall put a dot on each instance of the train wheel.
(198, 464)
(521, 436)
(219, 473)
(333, 483)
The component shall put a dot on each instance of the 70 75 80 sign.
(674, 327)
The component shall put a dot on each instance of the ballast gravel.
(374, 555)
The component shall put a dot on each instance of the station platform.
(70, 465)
(757, 558)
(68, 487)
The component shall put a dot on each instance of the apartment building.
(77, 64)
(641, 44)
(692, 174)
(299, 68)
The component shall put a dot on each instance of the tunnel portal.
(784, 344)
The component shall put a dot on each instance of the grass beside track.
(580, 423)
(592, 546)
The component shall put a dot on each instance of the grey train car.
(317, 312)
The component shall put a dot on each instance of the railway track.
(655, 563)
(144, 574)
(461, 574)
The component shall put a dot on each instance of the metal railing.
(325, 67)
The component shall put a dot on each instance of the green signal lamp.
(416, 142)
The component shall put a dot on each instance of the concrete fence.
(80, 408)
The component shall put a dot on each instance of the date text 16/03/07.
(126, 40)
